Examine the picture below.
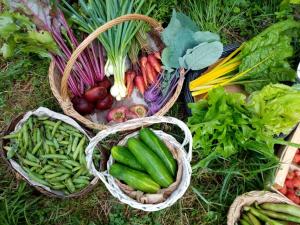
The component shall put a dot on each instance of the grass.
(24, 86)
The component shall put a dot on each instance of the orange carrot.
(144, 70)
(130, 75)
(154, 63)
(151, 73)
(139, 83)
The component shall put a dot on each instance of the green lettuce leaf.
(277, 107)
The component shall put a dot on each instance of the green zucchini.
(159, 148)
(135, 179)
(151, 162)
(122, 155)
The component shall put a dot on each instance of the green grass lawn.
(24, 86)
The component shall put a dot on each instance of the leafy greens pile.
(20, 35)
(187, 47)
(226, 124)
(274, 46)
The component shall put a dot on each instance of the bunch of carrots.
(150, 67)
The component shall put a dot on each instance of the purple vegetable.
(154, 95)
(89, 67)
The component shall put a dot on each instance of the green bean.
(52, 150)
(31, 157)
(53, 164)
(30, 123)
(282, 208)
(72, 162)
(49, 123)
(46, 148)
(63, 170)
(56, 143)
(29, 163)
(67, 165)
(80, 186)
(59, 137)
(52, 175)
(80, 173)
(79, 148)
(74, 144)
(35, 137)
(82, 158)
(261, 216)
(50, 143)
(36, 148)
(58, 186)
(11, 136)
(48, 134)
(244, 222)
(70, 128)
(58, 123)
(252, 219)
(80, 181)
(76, 169)
(64, 142)
(25, 136)
(43, 118)
(70, 185)
(70, 146)
(54, 156)
(38, 135)
(281, 216)
(45, 168)
(61, 178)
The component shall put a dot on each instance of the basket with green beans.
(50, 154)
(259, 208)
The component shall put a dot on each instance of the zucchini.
(135, 179)
(160, 148)
(151, 162)
(122, 155)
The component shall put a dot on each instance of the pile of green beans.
(51, 153)
(270, 214)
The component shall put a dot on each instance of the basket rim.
(10, 128)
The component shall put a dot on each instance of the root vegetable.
(144, 69)
(151, 74)
(105, 103)
(117, 114)
(157, 55)
(129, 76)
(154, 63)
(82, 106)
(139, 110)
(139, 83)
(105, 83)
(131, 115)
(95, 94)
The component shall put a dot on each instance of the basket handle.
(67, 72)
(131, 125)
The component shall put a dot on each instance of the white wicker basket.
(111, 183)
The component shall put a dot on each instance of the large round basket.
(59, 84)
(250, 198)
(143, 201)
(21, 175)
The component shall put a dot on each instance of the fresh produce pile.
(259, 61)
(292, 186)
(146, 164)
(51, 152)
(271, 214)
(296, 159)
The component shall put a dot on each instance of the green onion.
(116, 41)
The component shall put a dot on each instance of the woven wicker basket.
(164, 198)
(250, 198)
(59, 84)
(20, 176)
